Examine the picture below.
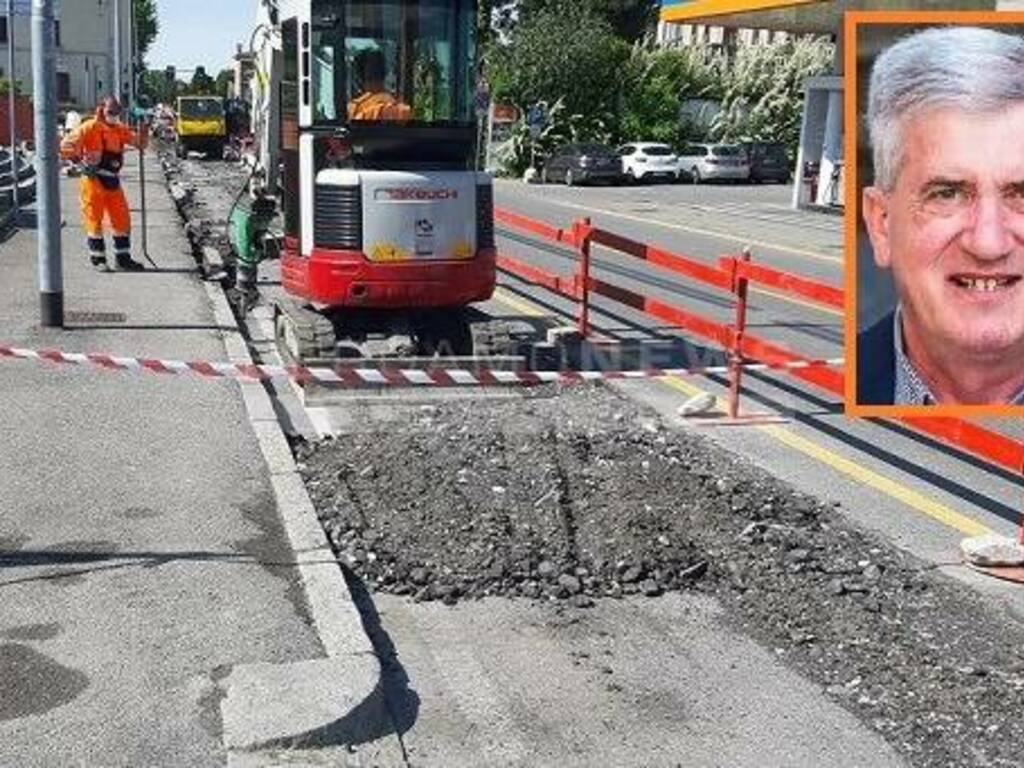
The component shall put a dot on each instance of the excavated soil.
(577, 495)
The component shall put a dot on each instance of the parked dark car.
(582, 162)
(768, 161)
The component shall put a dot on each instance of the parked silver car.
(704, 162)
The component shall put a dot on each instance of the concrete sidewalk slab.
(142, 554)
(302, 705)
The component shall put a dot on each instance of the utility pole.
(133, 45)
(117, 51)
(44, 81)
(11, 106)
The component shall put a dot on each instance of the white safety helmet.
(72, 121)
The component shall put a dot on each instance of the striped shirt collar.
(910, 388)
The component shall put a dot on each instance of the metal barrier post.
(736, 352)
(581, 235)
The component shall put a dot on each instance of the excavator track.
(302, 333)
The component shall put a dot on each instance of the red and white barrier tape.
(362, 377)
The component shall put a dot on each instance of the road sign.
(538, 115)
(505, 113)
(482, 97)
(482, 100)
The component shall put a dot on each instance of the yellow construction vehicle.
(201, 126)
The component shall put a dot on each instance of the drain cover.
(96, 317)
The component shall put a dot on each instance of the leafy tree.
(562, 127)
(657, 83)
(5, 86)
(630, 19)
(159, 89)
(202, 84)
(763, 98)
(225, 79)
(147, 25)
(562, 52)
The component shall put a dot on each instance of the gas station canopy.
(801, 16)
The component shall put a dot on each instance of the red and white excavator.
(366, 152)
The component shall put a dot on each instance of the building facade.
(85, 49)
(671, 35)
(244, 65)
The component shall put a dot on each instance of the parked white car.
(648, 160)
(704, 162)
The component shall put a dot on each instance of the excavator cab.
(370, 111)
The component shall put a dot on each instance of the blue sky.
(201, 32)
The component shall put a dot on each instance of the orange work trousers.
(98, 203)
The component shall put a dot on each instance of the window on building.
(3, 29)
(56, 33)
(63, 86)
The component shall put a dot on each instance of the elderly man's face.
(952, 230)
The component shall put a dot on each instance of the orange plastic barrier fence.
(734, 274)
(789, 283)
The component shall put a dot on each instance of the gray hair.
(971, 68)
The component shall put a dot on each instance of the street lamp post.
(117, 51)
(44, 82)
(12, 118)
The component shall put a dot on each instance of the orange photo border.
(852, 21)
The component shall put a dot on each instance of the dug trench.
(576, 495)
(568, 505)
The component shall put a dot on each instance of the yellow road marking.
(708, 232)
(518, 304)
(801, 302)
(918, 501)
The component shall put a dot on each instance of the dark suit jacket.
(876, 363)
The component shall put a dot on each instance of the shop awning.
(801, 16)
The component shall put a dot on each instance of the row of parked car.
(649, 161)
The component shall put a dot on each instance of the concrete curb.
(334, 613)
(270, 710)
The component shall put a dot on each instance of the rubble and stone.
(600, 501)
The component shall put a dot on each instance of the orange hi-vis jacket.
(100, 147)
(378, 106)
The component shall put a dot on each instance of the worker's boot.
(126, 263)
(98, 254)
(123, 254)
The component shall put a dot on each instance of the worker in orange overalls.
(375, 103)
(99, 145)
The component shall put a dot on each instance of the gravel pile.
(577, 495)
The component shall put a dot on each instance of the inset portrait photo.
(935, 228)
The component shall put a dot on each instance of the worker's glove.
(89, 171)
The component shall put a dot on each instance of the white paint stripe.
(227, 369)
(320, 374)
(370, 376)
(462, 377)
(419, 378)
(506, 377)
(548, 375)
(176, 365)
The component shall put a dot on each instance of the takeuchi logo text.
(403, 194)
